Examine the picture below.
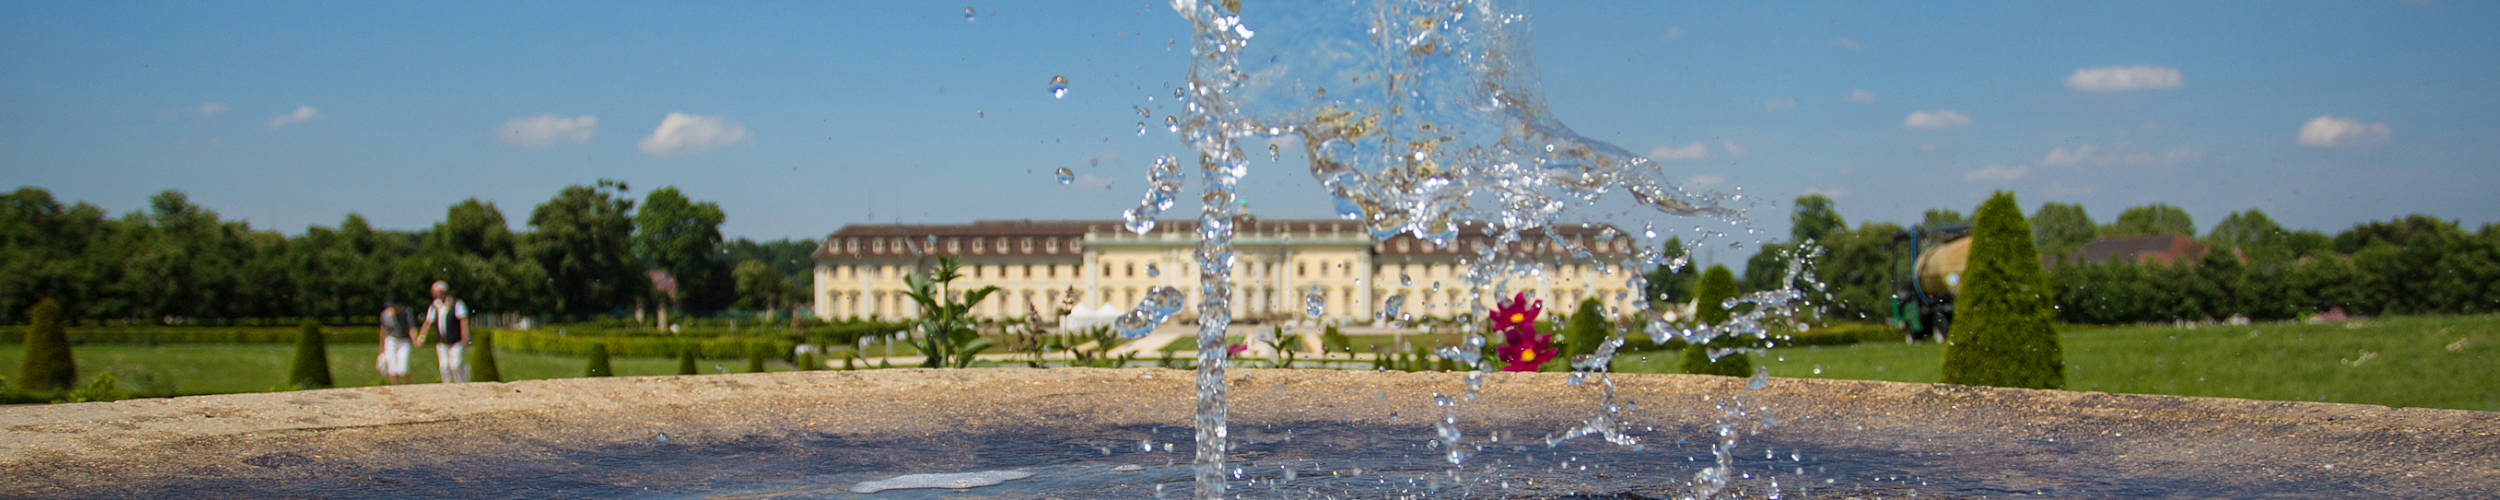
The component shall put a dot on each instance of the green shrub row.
(725, 347)
(195, 335)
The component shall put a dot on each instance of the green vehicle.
(1927, 264)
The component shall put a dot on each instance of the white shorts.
(394, 359)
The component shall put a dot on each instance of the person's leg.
(395, 356)
(443, 362)
(459, 362)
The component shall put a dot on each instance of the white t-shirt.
(446, 316)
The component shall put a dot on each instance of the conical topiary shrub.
(807, 362)
(2002, 335)
(47, 366)
(685, 362)
(599, 362)
(1585, 329)
(1716, 286)
(312, 359)
(755, 359)
(482, 358)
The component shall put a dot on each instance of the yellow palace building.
(1039, 265)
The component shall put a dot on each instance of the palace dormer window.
(952, 245)
(1050, 245)
(877, 246)
(1027, 245)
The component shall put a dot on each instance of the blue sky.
(799, 117)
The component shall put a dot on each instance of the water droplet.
(1152, 271)
(1315, 302)
(1058, 85)
(968, 15)
(1171, 124)
(1818, 369)
(1065, 175)
(1404, 280)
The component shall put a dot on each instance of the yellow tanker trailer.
(1931, 258)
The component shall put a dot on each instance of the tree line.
(2255, 268)
(585, 252)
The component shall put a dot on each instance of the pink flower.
(1523, 349)
(1235, 350)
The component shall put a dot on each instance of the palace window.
(1050, 245)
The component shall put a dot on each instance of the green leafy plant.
(2002, 333)
(311, 369)
(47, 365)
(945, 323)
(1285, 347)
(105, 387)
(598, 362)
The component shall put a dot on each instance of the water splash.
(1421, 118)
(1159, 303)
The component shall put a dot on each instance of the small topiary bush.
(1716, 286)
(1587, 329)
(807, 362)
(2002, 334)
(311, 369)
(685, 363)
(47, 366)
(598, 362)
(482, 358)
(755, 361)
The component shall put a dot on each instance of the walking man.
(393, 361)
(451, 317)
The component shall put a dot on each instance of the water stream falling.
(1421, 118)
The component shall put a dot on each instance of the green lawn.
(189, 369)
(2428, 361)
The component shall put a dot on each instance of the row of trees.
(585, 252)
(2255, 267)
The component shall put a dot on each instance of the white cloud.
(2123, 78)
(1847, 43)
(1687, 152)
(1779, 103)
(302, 114)
(1998, 173)
(1936, 119)
(1833, 193)
(2327, 131)
(1861, 95)
(2116, 154)
(1704, 181)
(1730, 146)
(548, 129)
(1674, 32)
(212, 108)
(684, 132)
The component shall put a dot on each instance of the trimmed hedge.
(150, 335)
(546, 342)
(311, 369)
(598, 363)
(2002, 334)
(47, 365)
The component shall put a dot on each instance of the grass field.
(190, 369)
(2427, 361)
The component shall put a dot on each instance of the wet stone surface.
(1301, 434)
